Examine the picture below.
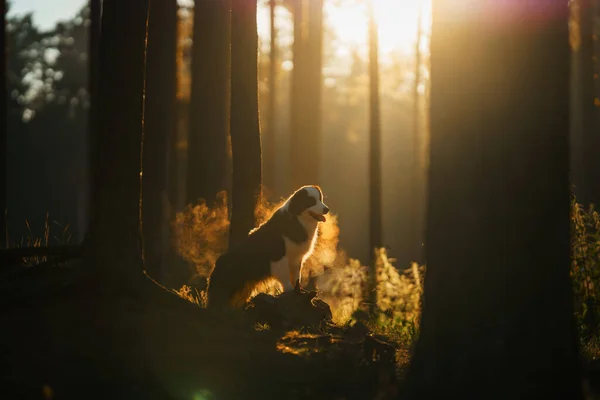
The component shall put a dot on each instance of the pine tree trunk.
(113, 243)
(93, 85)
(305, 136)
(585, 141)
(159, 127)
(498, 317)
(416, 193)
(245, 127)
(297, 97)
(207, 172)
(375, 216)
(269, 141)
(3, 130)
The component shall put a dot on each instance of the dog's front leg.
(280, 270)
(295, 275)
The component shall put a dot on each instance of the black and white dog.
(276, 249)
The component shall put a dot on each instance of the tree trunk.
(585, 140)
(416, 193)
(269, 139)
(209, 114)
(596, 64)
(498, 316)
(375, 217)
(113, 242)
(159, 127)
(305, 135)
(3, 131)
(245, 127)
(90, 144)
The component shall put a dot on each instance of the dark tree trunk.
(596, 64)
(375, 217)
(307, 79)
(93, 84)
(269, 141)
(207, 172)
(245, 127)
(585, 140)
(159, 127)
(3, 130)
(498, 315)
(416, 210)
(297, 98)
(113, 242)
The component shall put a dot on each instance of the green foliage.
(585, 268)
(399, 294)
(201, 234)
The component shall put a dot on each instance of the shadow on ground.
(64, 339)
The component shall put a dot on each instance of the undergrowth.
(398, 294)
(201, 236)
(53, 234)
(585, 274)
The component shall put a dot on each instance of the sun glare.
(397, 22)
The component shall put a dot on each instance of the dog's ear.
(299, 202)
(320, 192)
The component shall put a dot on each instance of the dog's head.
(307, 203)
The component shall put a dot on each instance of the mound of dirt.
(290, 310)
(302, 312)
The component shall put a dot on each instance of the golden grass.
(31, 240)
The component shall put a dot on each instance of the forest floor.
(66, 340)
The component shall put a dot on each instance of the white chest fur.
(288, 269)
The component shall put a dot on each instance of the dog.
(274, 250)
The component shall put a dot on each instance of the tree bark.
(245, 127)
(375, 213)
(269, 138)
(498, 315)
(416, 195)
(113, 244)
(3, 131)
(305, 135)
(209, 108)
(159, 126)
(585, 141)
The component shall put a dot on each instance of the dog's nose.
(325, 210)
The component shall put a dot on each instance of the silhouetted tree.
(113, 242)
(3, 127)
(297, 87)
(93, 87)
(159, 126)
(585, 140)
(416, 192)
(305, 133)
(245, 127)
(375, 217)
(209, 113)
(498, 307)
(269, 142)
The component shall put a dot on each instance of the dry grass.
(201, 234)
(49, 237)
